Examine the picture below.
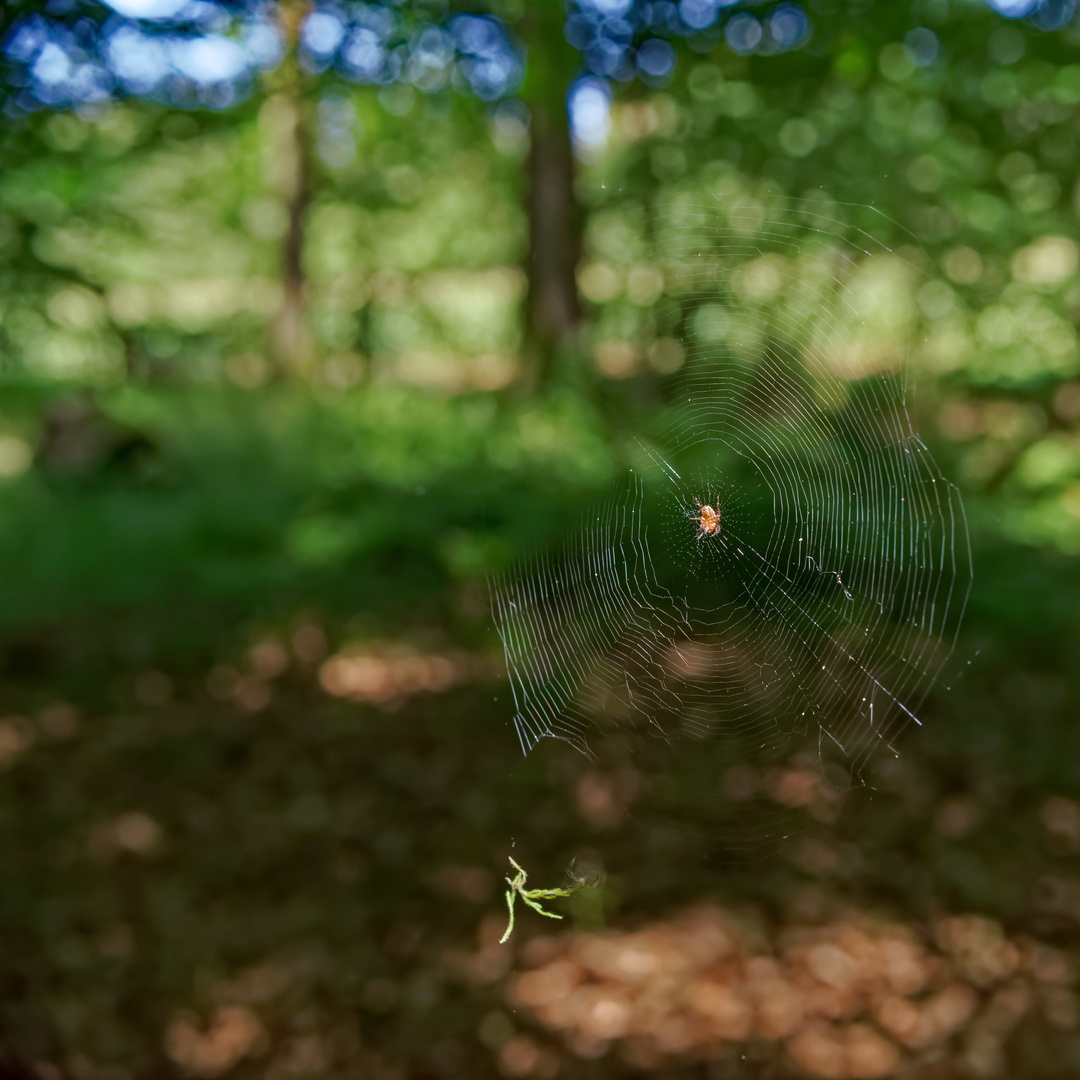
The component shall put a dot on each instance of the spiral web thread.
(828, 601)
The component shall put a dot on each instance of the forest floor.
(259, 786)
(292, 866)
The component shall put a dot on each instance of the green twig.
(533, 896)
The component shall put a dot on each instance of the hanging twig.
(533, 896)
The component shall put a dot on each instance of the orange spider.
(708, 520)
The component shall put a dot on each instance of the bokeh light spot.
(743, 33)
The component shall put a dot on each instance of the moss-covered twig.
(532, 897)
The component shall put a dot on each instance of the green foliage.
(164, 262)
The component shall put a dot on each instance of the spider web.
(824, 607)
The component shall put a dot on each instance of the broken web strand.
(845, 581)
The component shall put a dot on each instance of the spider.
(708, 520)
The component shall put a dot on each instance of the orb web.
(822, 608)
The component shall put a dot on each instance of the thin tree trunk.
(292, 344)
(553, 311)
(554, 231)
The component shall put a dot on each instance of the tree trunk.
(291, 341)
(554, 232)
(553, 310)
(292, 344)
